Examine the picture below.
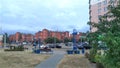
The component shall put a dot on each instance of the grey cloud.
(38, 15)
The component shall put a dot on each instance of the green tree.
(112, 39)
(52, 40)
(66, 40)
(110, 32)
(93, 41)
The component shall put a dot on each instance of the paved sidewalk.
(52, 61)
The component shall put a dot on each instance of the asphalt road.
(53, 60)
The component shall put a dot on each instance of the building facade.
(20, 37)
(17, 36)
(27, 37)
(98, 8)
(44, 34)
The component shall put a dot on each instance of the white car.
(42, 46)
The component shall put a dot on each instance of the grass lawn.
(74, 61)
(23, 59)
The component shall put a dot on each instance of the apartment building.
(17, 36)
(98, 8)
(27, 37)
(20, 37)
(44, 34)
(12, 38)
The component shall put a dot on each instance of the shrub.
(87, 55)
(99, 65)
(19, 48)
(92, 55)
(98, 59)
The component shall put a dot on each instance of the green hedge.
(19, 48)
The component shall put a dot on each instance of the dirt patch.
(21, 59)
(74, 61)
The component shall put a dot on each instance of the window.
(99, 10)
(105, 9)
(99, 4)
(99, 17)
(105, 2)
(105, 15)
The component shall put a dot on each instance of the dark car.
(51, 46)
(86, 45)
(83, 45)
(79, 46)
(58, 46)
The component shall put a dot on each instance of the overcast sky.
(35, 15)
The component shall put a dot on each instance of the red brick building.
(12, 38)
(27, 37)
(44, 34)
(19, 37)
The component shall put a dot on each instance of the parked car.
(24, 43)
(66, 44)
(86, 45)
(80, 46)
(83, 45)
(58, 46)
(51, 46)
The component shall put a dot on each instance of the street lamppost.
(74, 39)
(34, 43)
(39, 42)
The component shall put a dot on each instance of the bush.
(19, 48)
(99, 65)
(92, 55)
(87, 55)
(98, 59)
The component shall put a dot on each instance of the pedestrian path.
(52, 61)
